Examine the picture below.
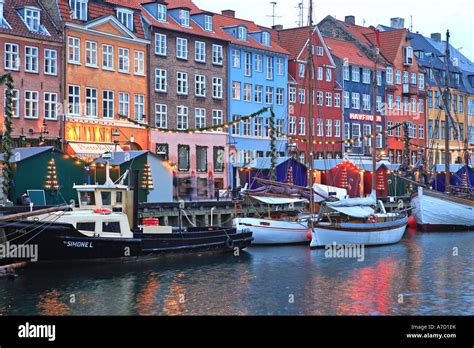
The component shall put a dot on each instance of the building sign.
(89, 133)
(92, 151)
(361, 117)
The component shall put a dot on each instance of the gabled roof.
(122, 157)
(348, 49)
(390, 42)
(18, 26)
(358, 31)
(265, 162)
(23, 153)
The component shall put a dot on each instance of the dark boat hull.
(62, 242)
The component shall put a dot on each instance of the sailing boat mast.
(310, 72)
(447, 111)
(374, 126)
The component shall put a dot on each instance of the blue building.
(257, 78)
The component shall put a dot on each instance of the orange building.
(105, 78)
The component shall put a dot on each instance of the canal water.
(425, 274)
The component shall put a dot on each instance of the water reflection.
(419, 276)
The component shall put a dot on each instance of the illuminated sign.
(88, 133)
(360, 117)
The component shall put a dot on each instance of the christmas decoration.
(7, 142)
(52, 177)
(147, 180)
(290, 178)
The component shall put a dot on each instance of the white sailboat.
(354, 220)
(443, 211)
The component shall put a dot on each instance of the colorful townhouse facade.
(431, 58)
(31, 51)
(105, 77)
(327, 105)
(188, 92)
(257, 78)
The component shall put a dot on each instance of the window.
(207, 23)
(107, 57)
(390, 101)
(319, 51)
(279, 96)
(356, 134)
(86, 226)
(292, 94)
(280, 124)
(329, 128)
(235, 58)
(379, 78)
(356, 101)
(320, 125)
(31, 104)
(421, 106)
(32, 19)
(461, 104)
(347, 131)
(413, 105)
(182, 85)
(258, 94)
(236, 90)
(337, 128)
(269, 95)
(183, 113)
(258, 63)
(139, 107)
(242, 33)
(247, 92)
(201, 159)
(139, 62)
(74, 100)
(235, 130)
(379, 139)
(366, 102)
(200, 85)
(15, 102)
(247, 64)
(258, 127)
(12, 57)
(389, 128)
(280, 66)
(413, 79)
(217, 117)
(183, 158)
(200, 117)
(346, 72)
(337, 100)
(111, 227)
(328, 99)
(161, 83)
(108, 104)
(421, 81)
(181, 48)
(91, 102)
(161, 116)
(379, 103)
(126, 18)
(398, 77)
(217, 55)
(91, 54)
(184, 17)
(421, 131)
(160, 44)
(346, 100)
(269, 68)
(200, 51)
(50, 62)
(389, 76)
(328, 74)
(292, 125)
(408, 55)
(124, 104)
(301, 96)
(161, 16)
(266, 38)
(398, 103)
(355, 74)
(31, 59)
(162, 151)
(217, 90)
(320, 73)
(74, 50)
(246, 128)
(398, 130)
(124, 60)
(79, 9)
(219, 158)
(302, 126)
(319, 98)
(365, 76)
(50, 106)
(367, 142)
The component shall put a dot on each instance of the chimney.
(436, 36)
(350, 20)
(276, 27)
(397, 23)
(229, 13)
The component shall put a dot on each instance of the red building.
(327, 111)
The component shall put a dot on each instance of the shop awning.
(91, 151)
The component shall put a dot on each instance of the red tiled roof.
(97, 10)
(19, 28)
(390, 42)
(294, 40)
(348, 50)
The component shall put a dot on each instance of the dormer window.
(408, 55)
(266, 38)
(125, 17)
(32, 19)
(184, 18)
(207, 23)
(78, 9)
(161, 12)
(242, 33)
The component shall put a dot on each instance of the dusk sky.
(428, 16)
